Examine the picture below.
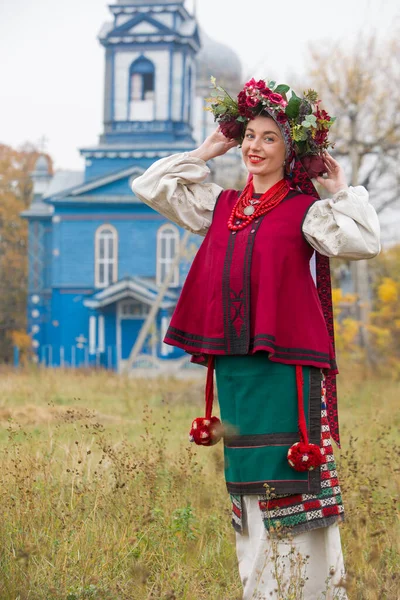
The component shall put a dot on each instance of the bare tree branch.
(358, 85)
(379, 209)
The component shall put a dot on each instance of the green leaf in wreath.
(310, 121)
(299, 134)
(220, 109)
(293, 107)
(282, 89)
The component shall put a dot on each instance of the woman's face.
(263, 148)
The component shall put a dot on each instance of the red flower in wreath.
(314, 165)
(321, 136)
(322, 114)
(252, 101)
(266, 92)
(277, 99)
(231, 129)
(253, 84)
(281, 117)
(244, 110)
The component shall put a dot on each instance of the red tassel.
(207, 431)
(303, 456)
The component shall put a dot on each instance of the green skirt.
(258, 405)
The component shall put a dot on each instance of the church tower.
(150, 75)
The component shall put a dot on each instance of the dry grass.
(102, 496)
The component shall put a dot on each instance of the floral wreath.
(304, 125)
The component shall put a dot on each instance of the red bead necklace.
(247, 208)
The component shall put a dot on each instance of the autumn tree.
(15, 196)
(385, 315)
(360, 84)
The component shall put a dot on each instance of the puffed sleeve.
(174, 187)
(345, 226)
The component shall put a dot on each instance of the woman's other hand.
(335, 179)
(214, 145)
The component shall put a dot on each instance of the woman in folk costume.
(251, 309)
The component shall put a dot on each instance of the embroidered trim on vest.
(236, 303)
(258, 343)
(195, 340)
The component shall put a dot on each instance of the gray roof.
(64, 180)
(105, 29)
(38, 209)
(144, 290)
(188, 27)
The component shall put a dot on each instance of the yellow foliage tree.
(384, 327)
(15, 195)
(346, 327)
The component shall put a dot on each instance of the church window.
(167, 248)
(142, 79)
(133, 309)
(141, 90)
(106, 256)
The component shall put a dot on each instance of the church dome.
(220, 61)
(41, 166)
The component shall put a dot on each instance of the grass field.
(103, 497)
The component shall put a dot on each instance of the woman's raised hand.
(214, 145)
(335, 178)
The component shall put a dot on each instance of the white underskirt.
(259, 556)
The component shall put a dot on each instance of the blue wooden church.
(97, 255)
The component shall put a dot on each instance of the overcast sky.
(52, 65)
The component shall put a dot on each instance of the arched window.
(141, 89)
(167, 247)
(106, 256)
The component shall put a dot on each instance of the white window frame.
(128, 315)
(92, 334)
(106, 260)
(168, 232)
(101, 343)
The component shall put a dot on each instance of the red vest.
(252, 290)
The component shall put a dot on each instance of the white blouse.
(345, 226)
